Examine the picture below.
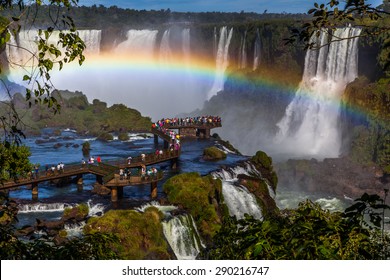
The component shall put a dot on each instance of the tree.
(68, 48)
(327, 17)
(308, 232)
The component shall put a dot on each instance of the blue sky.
(272, 6)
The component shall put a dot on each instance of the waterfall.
(242, 56)
(186, 46)
(22, 49)
(165, 49)
(222, 60)
(91, 39)
(310, 127)
(139, 43)
(256, 51)
(183, 237)
(42, 207)
(237, 198)
(180, 231)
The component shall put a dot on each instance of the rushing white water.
(222, 60)
(165, 49)
(165, 209)
(242, 55)
(256, 51)
(91, 39)
(140, 42)
(180, 231)
(310, 127)
(43, 207)
(237, 198)
(183, 237)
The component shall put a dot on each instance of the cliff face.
(367, 119)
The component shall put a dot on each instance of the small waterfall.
(91, 39)
(138, 42)
(165, 53)
(180, 231)
(256, 51)
(215, 43)
(163, 208)
(222, 61)
(22, 50)
(242, 56)
(43, 207)
(186, 46)
(238, 199)
(183, 237)
(310, 126)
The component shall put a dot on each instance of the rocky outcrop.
(100, 189)
(213, 154)
(339, 176)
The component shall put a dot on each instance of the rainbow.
(178, 68)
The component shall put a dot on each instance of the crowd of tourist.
(200, 120)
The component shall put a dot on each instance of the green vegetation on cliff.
(213, 153)
(263, 163)
(370, 104)
(77, 113)
(140, 234)
(305, 233)
(201, 197)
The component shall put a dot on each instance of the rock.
(100, 189)
(213, 153)
(57, 145)
(339, 177)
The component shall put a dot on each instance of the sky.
(259, 6)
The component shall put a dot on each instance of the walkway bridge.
(107, 173)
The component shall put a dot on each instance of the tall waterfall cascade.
(22, 50)
(138, 42)
(256, 51)
(237, 197)
(242, 55)
(180, 231)
(310, 126)
(222, 60)
(183, 237)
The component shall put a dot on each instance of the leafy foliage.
(308, 232)
(196, 194)
(330, 16)
(13, 161)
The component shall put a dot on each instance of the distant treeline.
(100, 17)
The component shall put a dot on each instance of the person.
(121, 174)
(126, 171)
(143, 157)
(82, 163)
(129, 160)
(98, 159)
(36, 171)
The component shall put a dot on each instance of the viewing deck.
(107, 172)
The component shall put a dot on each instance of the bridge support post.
(120, 192)
(166, 144)
(34, 191)
(79, 179)
(153, 190)
(174, 163)
(114, 194)
(207, 133)
(155, 139)
(99, 179)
